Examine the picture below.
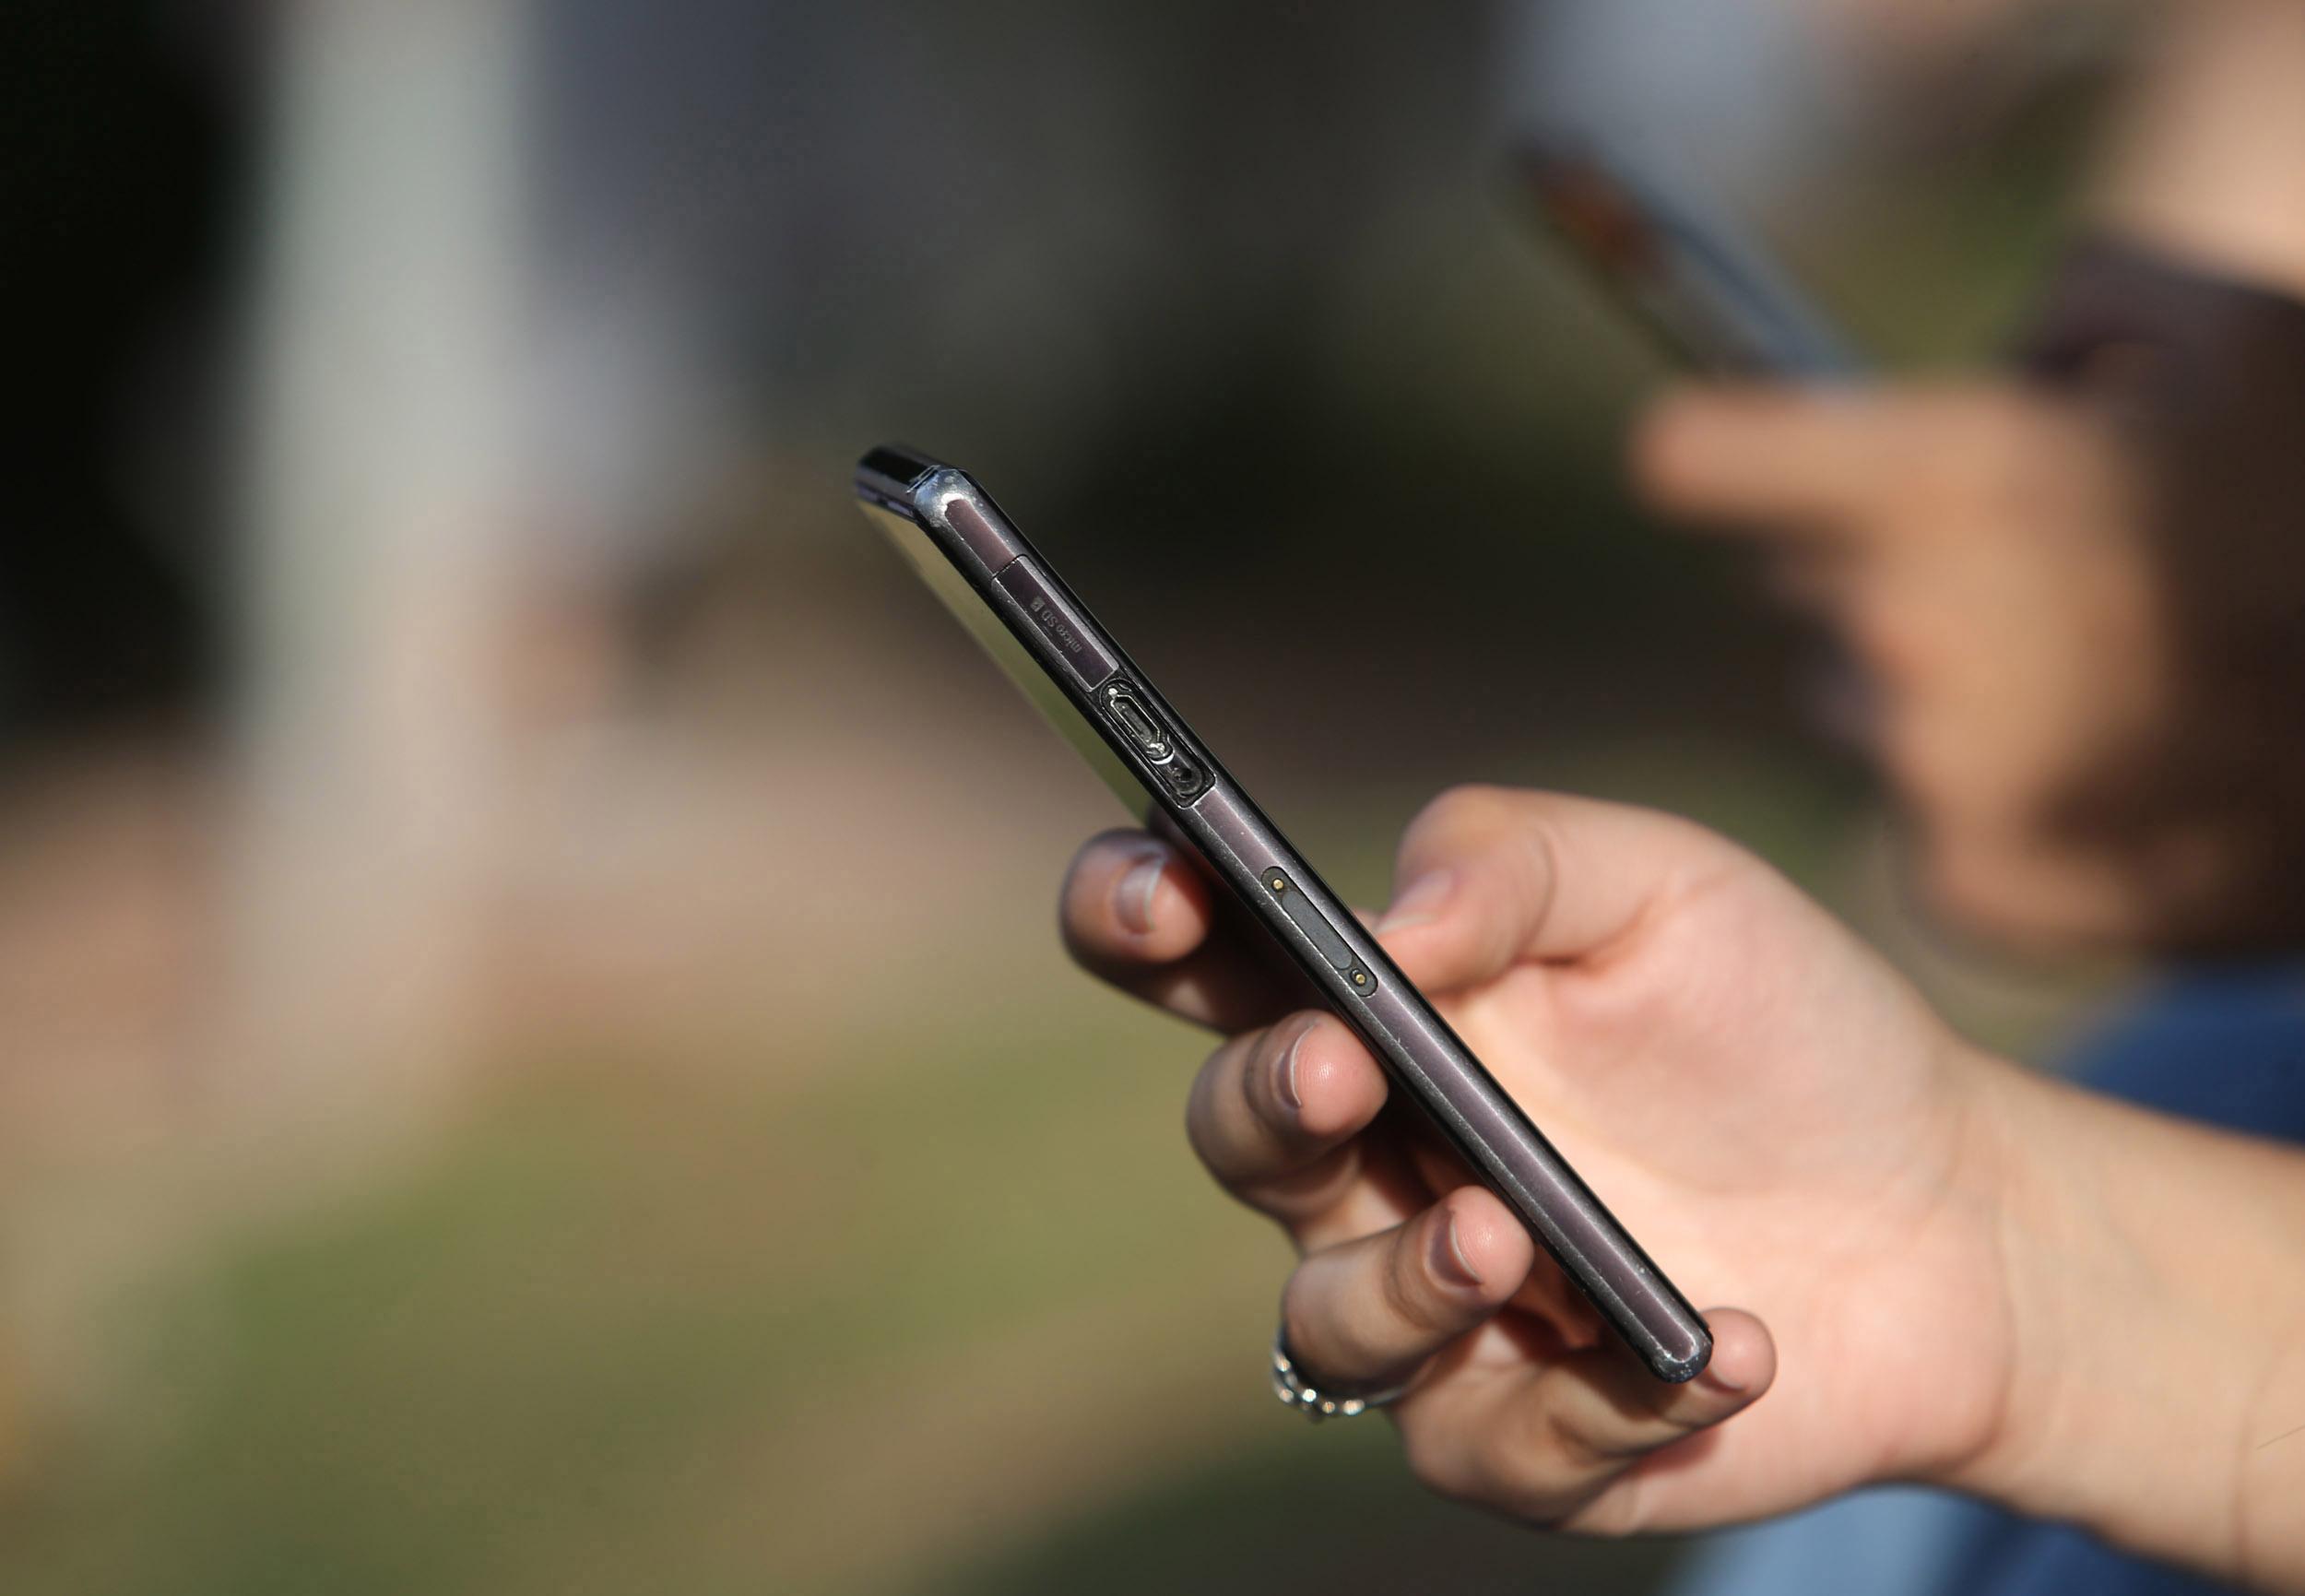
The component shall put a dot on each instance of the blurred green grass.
(948, 1308)
(592, 1341)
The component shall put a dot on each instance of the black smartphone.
(1712, 298)
(1038, 630)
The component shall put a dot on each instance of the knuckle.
(1298, 1322)
(1193, 1134)
(1408, 1298)
(1466, 804)
(1540, 851)
(1693, 849)
(1202, 1123)
(1616, 1514)
(1524, 1476)
(1438, 1463)
(1657, 444)
(1479, 816)
(1579, 1451)
(1256, 1063)
(1994, 448)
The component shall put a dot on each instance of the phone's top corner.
(892, 474)
(931, 494)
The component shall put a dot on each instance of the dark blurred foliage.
(1329, 1516)
(1230, 308)
(1193, 286)
(121, 171)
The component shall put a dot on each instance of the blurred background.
(533, 1054)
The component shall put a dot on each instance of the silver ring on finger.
(1319, 1398)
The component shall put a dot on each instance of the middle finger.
(1278, 1115)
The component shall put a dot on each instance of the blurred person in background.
(2075, 587)
(2076, 592)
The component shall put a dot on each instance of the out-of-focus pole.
(380, 529)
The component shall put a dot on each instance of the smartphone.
(1710, 298)
(1040, 632)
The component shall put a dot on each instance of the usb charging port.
(1170, 766)
(1137, 723)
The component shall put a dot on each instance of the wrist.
(2007, 1180)
(2147, 1358)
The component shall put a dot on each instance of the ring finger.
(1371, 1311)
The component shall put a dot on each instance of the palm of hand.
(1699, 1073)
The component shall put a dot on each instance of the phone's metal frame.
(1046, 640)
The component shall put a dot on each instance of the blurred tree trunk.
(376, 600)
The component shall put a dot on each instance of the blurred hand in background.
(2071, 603)
(1980, 549)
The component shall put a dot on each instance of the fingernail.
(1721, 1382)
(1132, 899)
(1420, 903)
(1448, 1258)
(1285, 1070)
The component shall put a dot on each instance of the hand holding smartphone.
(1041, 633)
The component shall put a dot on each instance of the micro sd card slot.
(1074, 643)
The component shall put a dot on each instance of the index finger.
(1771, 458)
(1136, 912)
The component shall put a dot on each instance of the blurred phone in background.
(1714, 301)
(1720, 308)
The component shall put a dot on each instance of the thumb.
(1491, 877)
